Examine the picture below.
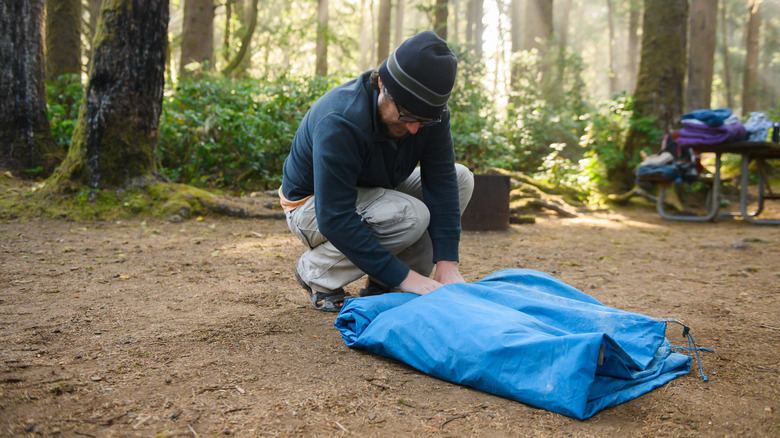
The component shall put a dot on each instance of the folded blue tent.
(519, 334)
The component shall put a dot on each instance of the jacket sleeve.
(440, 192)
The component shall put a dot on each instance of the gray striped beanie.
(420, 74)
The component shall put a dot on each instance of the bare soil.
(198, 328)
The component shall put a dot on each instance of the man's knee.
(465, 185)
(395, 213)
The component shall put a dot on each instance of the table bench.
(759, 152)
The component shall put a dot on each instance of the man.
(353, 193)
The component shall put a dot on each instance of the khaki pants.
(397, 217)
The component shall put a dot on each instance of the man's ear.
(379, 82)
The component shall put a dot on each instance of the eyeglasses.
(410, 119)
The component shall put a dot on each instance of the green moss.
(147, 197)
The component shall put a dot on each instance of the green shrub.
(478, 143)
(232, 133)
(545, 108)
(63, 98)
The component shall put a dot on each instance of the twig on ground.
(441, 426)
(141, 421)
(342, 427)
(195, 434)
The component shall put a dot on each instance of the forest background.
(570, 92)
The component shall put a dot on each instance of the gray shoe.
(330, 301)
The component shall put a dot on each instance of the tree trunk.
(115, 137)
(633, 43)
(63, 38)
(516, 33)
(440, 19)
(470, 22)
(399, 22)
(322, 38)
(538, 25)
(563, 26)
(701, 53)
(726, 61)
(234, 66)
(383, 31)
(516, 23)
(479, 27)
(750, 78)
(25, 136)
(611, 25)
(659, 87)
(197, 38)
(228, 30)
(94, 10)
(364, 43)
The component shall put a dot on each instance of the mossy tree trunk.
(115, 137)
(63, 38)
(25, 136)
(659, 89)
(440, 18)
(93, 6)
(238, 65)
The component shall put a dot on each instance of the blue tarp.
(519, 334)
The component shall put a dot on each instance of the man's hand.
(417, 284)
(447, 272)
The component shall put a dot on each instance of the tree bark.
(94, 10)
(383, 31)
(228, 30)
(516, 36)
(538, 24)
(25, 136)
(115, 137)
(440, 19)
(750, 77)
(479, 27)
(63, 38)
(197, 38)
(611, 25)
(470, 22)
(701, 53)
(659, 87)
(246, 41)
(321, 68)
(399, 22)
(364, 43)
(563, 26)
(634, 16)
(726, 61)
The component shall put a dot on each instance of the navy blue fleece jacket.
(340, 145)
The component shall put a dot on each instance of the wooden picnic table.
(750, 151)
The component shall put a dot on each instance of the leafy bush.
(546, 105)
(478, 144)
(605, 133)
(232, 132)
(63, 96)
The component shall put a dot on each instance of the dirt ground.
(198, 328)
